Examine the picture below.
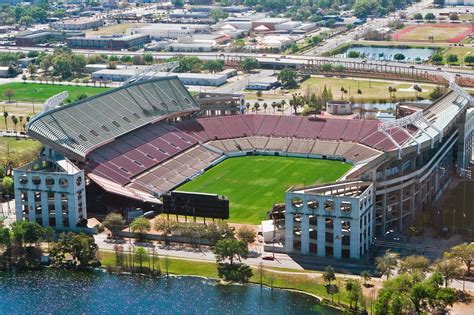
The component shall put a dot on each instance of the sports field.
(29, 92)
(254, 183)
(452, 33)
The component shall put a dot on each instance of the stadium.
(128, 147)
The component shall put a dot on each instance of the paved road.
(281, 260)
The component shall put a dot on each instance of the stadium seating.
(159, 156)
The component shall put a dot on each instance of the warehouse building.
(109, 42)
(122, 75)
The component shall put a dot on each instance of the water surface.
(61, 292)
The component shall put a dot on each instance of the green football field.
(254, 183)
(30, 92)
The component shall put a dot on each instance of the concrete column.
(18, 207)
(384, 212)
(400, 210)
(354, 239)
(72, 210)
(57, 210)
(44, 209)
(337, 241)
(288, 231)
(321, 243)
(304, 234)
(31, 206)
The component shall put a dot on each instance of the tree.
(417, 89)
(327, 67)
(7, 185)
(32, 232)
(114, 222)
(355, 292)
(453, 16)
(329, 275)
(214, 65)
(178, 3)
(81, 96)
(399, 57)
(287, 77)
(418, 16)
(363, 8)
(80, 246)
(14, 121)
(48, 235)
(437, 59)
(353, 54)
(218, 14)
(436, 93)
(23, 77)
(463, 252)
(32, 69)
(387, 263)
(231, 250)
(148, 58)
(259, 94)
(430, 16)
(126, 59)
(138, 60)
(366, 275)
(408, 294)
(452, 59)
(469, 59)
(9, 94)
(414, 263)
(246, 234)
(5, 117)
(140, 256)
(449, 268)
(249, 64)
(140, 226)
(189, 64)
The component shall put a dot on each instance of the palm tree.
(265, 105)
(21, 122)
(15, 121)
(274, 105)
(256, 106)
(5, 116)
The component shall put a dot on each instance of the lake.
(387, 53)
(63, 292)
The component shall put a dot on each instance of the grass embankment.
(372, 90)
(254, 183)
(19, 151)
(29, 92)
(310, 284)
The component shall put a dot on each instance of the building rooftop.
(78, 128)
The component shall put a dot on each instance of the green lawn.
(41, 92)
(20, 151)
(372, 90)
(254, 183)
